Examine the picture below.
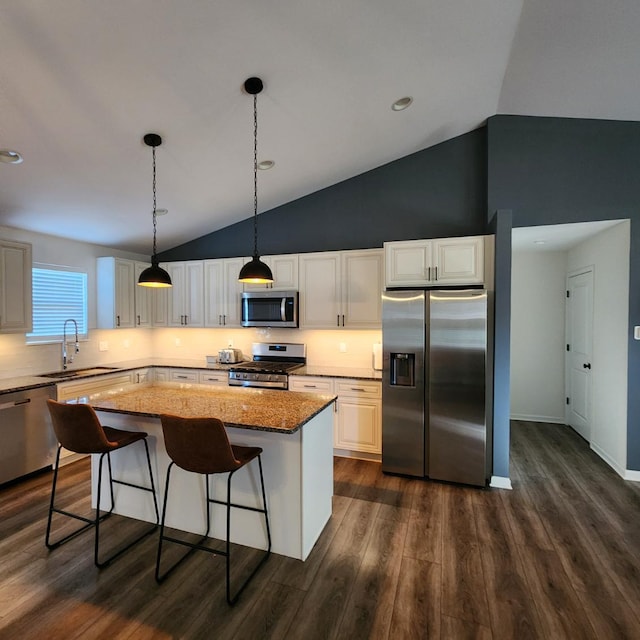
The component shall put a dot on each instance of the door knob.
(586, 366)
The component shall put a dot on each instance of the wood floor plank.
(464, 630)
(299, 574)
(324, 603)
(370, 606)
(463, 589)
(424, 532)
(416, 612)
(560, 610)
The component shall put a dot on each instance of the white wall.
(17, 358)
(537, 335)
(609, 253)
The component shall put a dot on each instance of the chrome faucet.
(68, 360)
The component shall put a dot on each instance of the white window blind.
(58, 295)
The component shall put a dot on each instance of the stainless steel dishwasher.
(28, 441)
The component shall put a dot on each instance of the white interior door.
(579, 351)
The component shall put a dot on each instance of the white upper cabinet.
(15, 287)
(116, 294)
(341, 289)
(285, 273)
(222, 292)
(442, 261)
(143, 297)
(320, 290)
(186, 296)
(362, 288)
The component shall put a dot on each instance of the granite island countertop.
(259, 409)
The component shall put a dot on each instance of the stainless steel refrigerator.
(434, 384)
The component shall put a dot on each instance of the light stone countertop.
(337, 372)
(259, 409)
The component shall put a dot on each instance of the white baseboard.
(548, 419)
(500, 482)
(632, 475)
(619, 469)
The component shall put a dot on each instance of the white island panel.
(298, 474)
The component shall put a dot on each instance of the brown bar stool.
(78, 429)
(201, 445)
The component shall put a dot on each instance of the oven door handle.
(283, 311)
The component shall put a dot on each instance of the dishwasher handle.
(15, 403)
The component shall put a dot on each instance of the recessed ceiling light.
(402, 103)
(10, 157)
(265, 165)
(162, 212)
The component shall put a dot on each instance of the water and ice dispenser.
(402, 370)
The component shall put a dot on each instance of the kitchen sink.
(77, 372)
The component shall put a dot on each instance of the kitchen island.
(294, 430)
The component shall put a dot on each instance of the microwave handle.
(283, 311)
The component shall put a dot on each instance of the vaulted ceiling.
(81, 82)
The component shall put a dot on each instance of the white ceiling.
(81, 81)
(557, 237)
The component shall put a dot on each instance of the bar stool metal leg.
(231, 600)
(99, 517)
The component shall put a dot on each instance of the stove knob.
(244, 375)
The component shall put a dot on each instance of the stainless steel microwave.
(270, 308)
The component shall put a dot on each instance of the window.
(59, 294)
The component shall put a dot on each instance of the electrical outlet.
(343, 347)
(103, 345)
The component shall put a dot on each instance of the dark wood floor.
(557, 557)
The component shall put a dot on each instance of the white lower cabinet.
(214, 378)
(191, 376)
(183, 375)
(161, 374)
(357, 425)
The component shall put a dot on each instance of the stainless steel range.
(270, 367)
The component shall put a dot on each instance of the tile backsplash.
(331, 347)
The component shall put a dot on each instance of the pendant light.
(154, 276)
(255, 271)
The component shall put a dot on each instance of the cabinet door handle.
(338, 319)
(428, 273)
(310, 386)
(186, 320)
(220, 319)
(138, 320)
(224, 319)
(343, 319)
(117, 321)
(436, 276)
(358, 389)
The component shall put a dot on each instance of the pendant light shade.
(255, 271)
(154, 276)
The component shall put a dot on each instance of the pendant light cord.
(255, 174)
(153, 259)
